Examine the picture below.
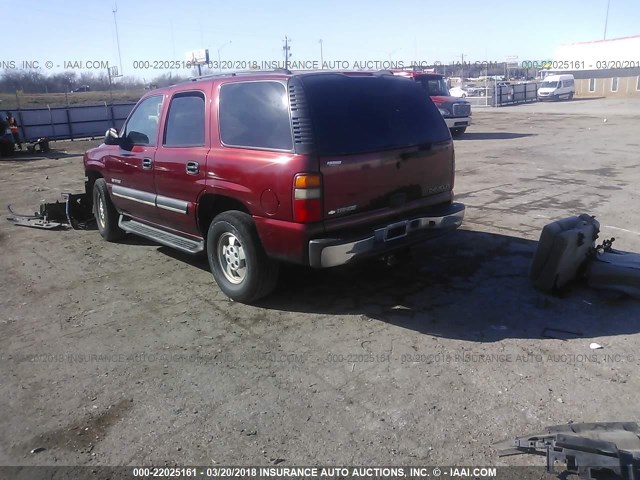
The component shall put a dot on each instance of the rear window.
(362, 114)
(255, 115)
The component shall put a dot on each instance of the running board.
(172, 240)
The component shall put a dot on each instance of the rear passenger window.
(255, 114)
(185, 121)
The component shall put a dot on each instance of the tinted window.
(614, 84)
(255, 114)
(142, 125)
(434, 86)
(592, 84)
(185, 121)
(359, 114)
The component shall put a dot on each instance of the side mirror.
(111, 137)
(137, 138)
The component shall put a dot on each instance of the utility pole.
(606, 19)
(219, 49)
(287, 54)
(321, 56)
(462, 73)
(115, 21)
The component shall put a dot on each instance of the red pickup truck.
(455, 111)
(255, 168)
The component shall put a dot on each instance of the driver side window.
(142, 126)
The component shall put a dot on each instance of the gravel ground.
(128, 354)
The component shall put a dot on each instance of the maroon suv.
(255, 168)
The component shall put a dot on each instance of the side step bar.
(178, 242)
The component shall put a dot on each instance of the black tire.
(458, 131)
(237, 260)
(105, 213)
(571, 96)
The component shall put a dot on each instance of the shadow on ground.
(584, 99)
(470, 285)
(25, 156)
(493, 136)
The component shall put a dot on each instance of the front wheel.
(571, 96)
(105, 213)
(237, 260)
(458, 131)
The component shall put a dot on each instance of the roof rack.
(234, 74)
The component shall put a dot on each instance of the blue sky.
(357, 30)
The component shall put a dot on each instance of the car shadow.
(493, 136)
(469, 285)
(584, 99)
(20, 156)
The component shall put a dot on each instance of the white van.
(556, 87)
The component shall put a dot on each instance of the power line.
(114, 10)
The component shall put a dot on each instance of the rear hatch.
(381, 142)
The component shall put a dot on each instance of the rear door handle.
(147, 164)
(193, 168)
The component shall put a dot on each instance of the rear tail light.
(307, 197)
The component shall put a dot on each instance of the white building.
(602, 68)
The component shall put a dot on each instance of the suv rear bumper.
(331, 252)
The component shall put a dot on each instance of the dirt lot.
(128, 354)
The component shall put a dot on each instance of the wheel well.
(92, 176)
(211, 205)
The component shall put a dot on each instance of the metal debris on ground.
(567, 252)
(74, 212)
(590, 450)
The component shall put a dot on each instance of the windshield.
(549, 85)
(434, 86)
(359, 114)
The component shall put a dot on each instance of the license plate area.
(395, 231)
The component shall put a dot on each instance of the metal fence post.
(53, 127)
(69, 122)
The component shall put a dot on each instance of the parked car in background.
(476, 91)
(82, 88)
(258, 168)
(557, 87)
(458, 92)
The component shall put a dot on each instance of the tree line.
(33, 81)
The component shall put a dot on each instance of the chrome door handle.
(193, 168)
(147, 164)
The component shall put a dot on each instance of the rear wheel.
(105, 213)
(238, 262)
(458, 131)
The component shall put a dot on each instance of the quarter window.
(185, 121)
(142, 126)
(255, 115)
